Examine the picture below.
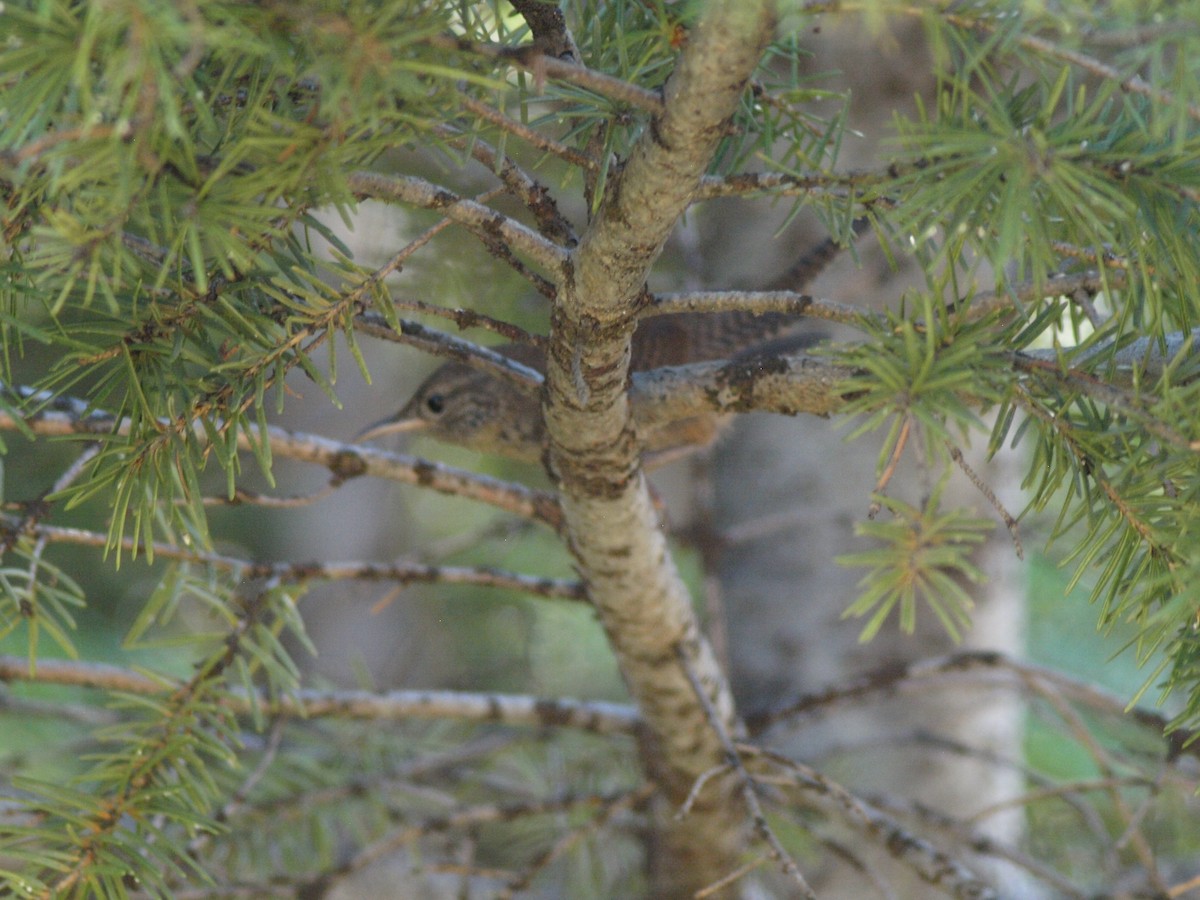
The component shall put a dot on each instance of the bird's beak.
(391, 425)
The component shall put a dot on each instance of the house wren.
(471, 408)
(460, 405)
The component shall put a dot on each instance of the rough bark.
(613, 528)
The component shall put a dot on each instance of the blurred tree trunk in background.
(795, 488)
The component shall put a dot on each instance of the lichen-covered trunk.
(613, 528)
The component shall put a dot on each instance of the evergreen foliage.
(168, 172)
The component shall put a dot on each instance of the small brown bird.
(458, 404)
(471, 408)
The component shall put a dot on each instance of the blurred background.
(759, 521)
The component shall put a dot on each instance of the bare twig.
(787, 302)
(978, 664)
(889, 470)
(426, 195)
(1181, 889)
(520, 183)
(470, 318)
(784, 184)
(401, 573)
(982, 844)
(1129, 84)
(984, 488)
(931, 864)
(1105, 763)
(531, 136)
(610, 810)
(343, 460)
(748, 792)
(293, 805)
(532, 58)
(1088, 815)
(414, 334)
(987, 302)
(244, 496)
(737, 874)
(238, 799)
(597, 716)
(461, 819)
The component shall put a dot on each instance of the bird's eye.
(435, 403)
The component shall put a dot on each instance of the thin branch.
(350, 460)
(610, 810)
(238, 799)
(915, 675)
(1148, 356)
(531, 136)
(1088, 815)
(1136, 35)
(1184, 887)
(414, 334)
(870, 872)
(736, 875)
(245, 497)
(1133, 829)
(426, 195)
(531, 58)
(1129, 84)
(927, 861)
(1013, 296)
(842, 185)
(24, 709)
(748, 790)
(788, 302)
(500, 529)
(984, 488)
(289, 572)
(537, 199)
(786, 384)
(1061, 791)
(1103, 760)
(597, 717)
(396, 263)
(295, 805)
(467, 318)
(958, 831)
(490, 241)
(469, 817)
(889, 470)
(344, 460)
(411, 573)
(1048, 364)
(501, 251)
